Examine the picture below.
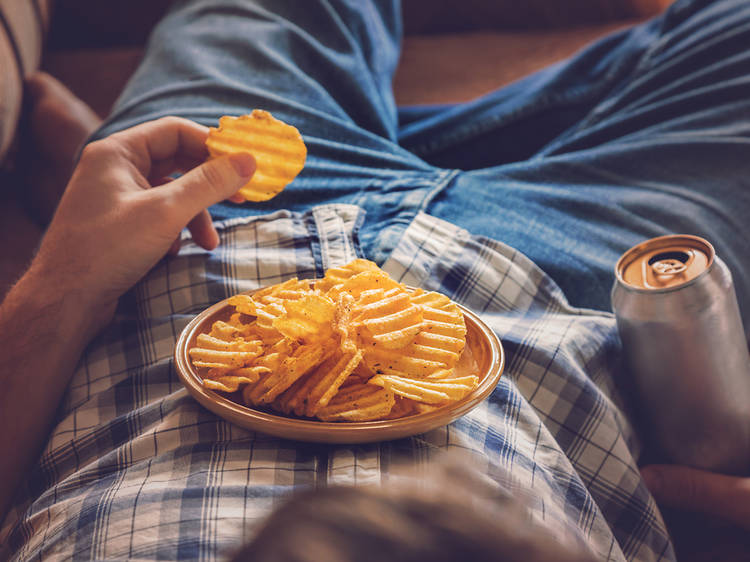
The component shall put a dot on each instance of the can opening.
(665, 256)
(669, 263)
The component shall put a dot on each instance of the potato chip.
(237, 326)
(420, 408)
(243, 304)
(441, 338)
(342, 324)
(278, 149)
(389, 318)
(402, 407)
(217, 356)
(291, 289)
(269, 305)
(321, 385)
(358, 403)
(208, 341)
(360, 375)
(303, 359)
(309, 319)
(441, 348)
(366, 281)
(213, 367)
(400, 362)
(428, 391)
(229, 383)
(230, 350)
(274, 355)
(337, 275)
(224, 330)
(442, 317)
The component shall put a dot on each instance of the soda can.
(681, 332)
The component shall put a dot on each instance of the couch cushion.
(22, 29)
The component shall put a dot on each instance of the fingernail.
(243, 163)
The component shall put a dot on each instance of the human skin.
(111, 227)
(723, 496)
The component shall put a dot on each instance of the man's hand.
(111, 227)
(726, 497)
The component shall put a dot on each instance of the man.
(642, 134)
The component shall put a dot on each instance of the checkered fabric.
(137, 469)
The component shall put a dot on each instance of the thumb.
(211, 182)
(698, 490)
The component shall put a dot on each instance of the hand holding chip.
(109, 229)
(113, 225)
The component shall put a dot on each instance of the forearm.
(43, 329)
(109, 229)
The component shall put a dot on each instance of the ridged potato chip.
(320, 386)
(388, 317)
(337, 275)
(230, 383)
(304, 358)
(401, 362)
(443, 321)
(364, 402)
(309, 319)
(427, 391)
(201, 357)
(366, 281)
(402, 407)
(277, 147)
(244, 304)
(291, 289)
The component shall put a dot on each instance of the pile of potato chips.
(353, 346)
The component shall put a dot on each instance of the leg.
(323, 66)
(662, 149)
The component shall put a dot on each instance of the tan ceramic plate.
(483, 355)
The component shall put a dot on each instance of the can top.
(666, 262)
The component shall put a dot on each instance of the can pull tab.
(669, 266)
(666, 269)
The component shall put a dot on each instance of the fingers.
(169, 138)
(207, 184)
(721, 495)
(174, 249)
(167, 167)
(203, 231)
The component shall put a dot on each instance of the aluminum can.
(687, 353)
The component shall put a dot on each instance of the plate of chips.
(353, 357)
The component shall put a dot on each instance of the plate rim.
(333, 432)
